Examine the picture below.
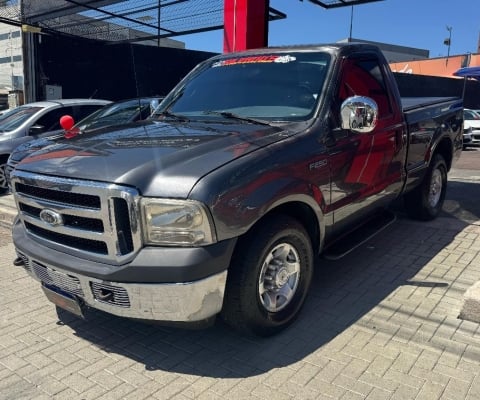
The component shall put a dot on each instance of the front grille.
(90, 224)
(94, 246)
(89, 219)
(68, 283)
(76, 199)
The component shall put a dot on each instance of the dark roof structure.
(128, 20)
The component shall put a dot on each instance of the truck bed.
(424, 108)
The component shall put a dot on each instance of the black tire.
(3, 178)
(425, 202)
(269, 277)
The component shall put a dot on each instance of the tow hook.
(18, 262)
(105, 295)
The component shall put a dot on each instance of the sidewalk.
(381, 323)
(8, 211)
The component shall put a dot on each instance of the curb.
(471, 304)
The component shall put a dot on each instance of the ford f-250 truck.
(252, 166)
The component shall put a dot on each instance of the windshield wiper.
(169, 114)
(230, 115)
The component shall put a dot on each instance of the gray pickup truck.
(255, 164)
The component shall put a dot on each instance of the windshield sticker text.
(254, 60)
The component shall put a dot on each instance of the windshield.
(116, 113)
(273, 87)
(14, 118)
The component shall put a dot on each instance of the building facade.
(11, 62)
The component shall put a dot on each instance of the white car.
(471, 128)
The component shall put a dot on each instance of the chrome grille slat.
(65, 230)
(120, 295)
(65, 282)
(87, 215)
(26, 262)
(60, 194)
(81, 212)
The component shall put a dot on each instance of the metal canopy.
(340, 3)
(128, 20)
(468, 72)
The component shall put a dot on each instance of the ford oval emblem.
(51, 217)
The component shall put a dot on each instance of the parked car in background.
(34, 120)
(467, 135)
(471, 114)
(120, 112)
(471, 128)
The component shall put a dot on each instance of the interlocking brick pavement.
(379, 324)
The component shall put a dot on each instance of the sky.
(413, 23)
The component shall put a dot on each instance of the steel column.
(245, 24)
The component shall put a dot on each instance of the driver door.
(366, 168)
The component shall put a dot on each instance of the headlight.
(176, 222)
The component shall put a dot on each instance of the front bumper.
(174, 302)
(189, 301)
(474, 138)
(467, 138)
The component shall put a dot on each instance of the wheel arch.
(305, 214)
(445, 149)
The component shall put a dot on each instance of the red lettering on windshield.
(253, 60)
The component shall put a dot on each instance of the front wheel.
(269, 277)
(425, 202)
(3, 177)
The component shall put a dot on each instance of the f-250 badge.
(317, 164)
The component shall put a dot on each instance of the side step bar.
(353, 239)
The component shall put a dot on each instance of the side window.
(51, 120)
(364, 77)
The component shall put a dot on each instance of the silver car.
(35, 120)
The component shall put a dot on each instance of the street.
(463, 189)
(380, 323)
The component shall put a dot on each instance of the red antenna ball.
(67, 122)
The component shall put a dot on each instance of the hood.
(157, 158)
(27, 148)
(474, 123)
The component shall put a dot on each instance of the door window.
(364, 77)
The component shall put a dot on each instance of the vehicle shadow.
(347, 292)
(461, 201)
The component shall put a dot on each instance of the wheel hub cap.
(435, 188)
(279, 277)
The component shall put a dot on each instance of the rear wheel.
(425, 202)
(269, 277)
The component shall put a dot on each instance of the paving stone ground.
(382, 323)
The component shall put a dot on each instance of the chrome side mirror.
(359, 114)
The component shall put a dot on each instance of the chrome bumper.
(177, 302)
